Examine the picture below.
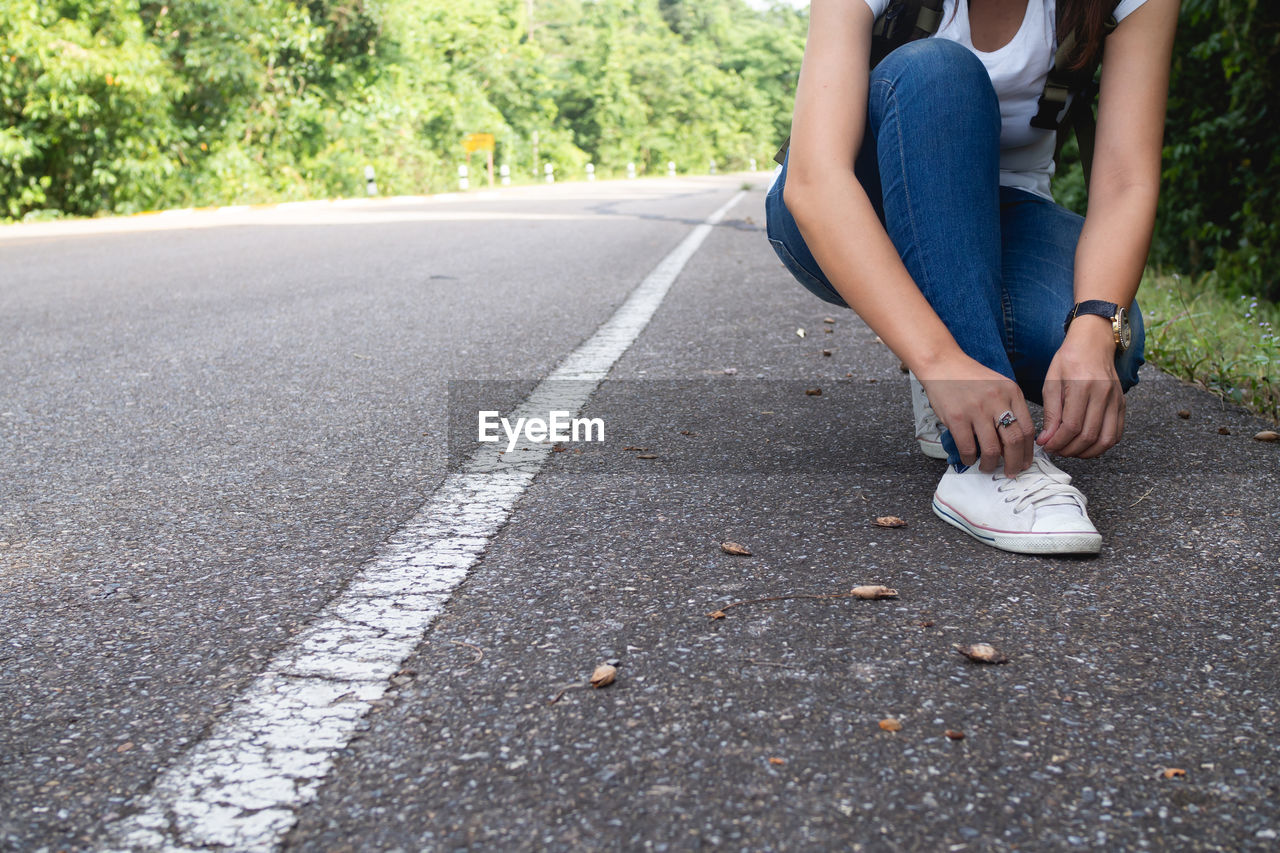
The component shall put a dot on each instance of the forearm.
(1111, 254)
(1113, 247)
(845, 235)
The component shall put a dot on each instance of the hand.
(969, 399)
(1083, 401)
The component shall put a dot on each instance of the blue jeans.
(996, 263)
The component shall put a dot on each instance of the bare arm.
(1081, 418)
(831, 208)
(841, 229)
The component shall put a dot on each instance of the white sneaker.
(928, 427)
(1036, 512)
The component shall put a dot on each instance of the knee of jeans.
(942, 79)
(939, 65)
(1128, 363)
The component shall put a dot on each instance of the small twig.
(1143, 498)
(479, 651)
(564, 690)
(812, 595)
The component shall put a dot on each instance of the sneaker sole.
(931, 448)
(1073, 542)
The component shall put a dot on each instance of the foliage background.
(1220, 196)
(125, 105)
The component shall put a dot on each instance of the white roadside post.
(370, 182)
(713, 167)
(671, 168)
(463, 181)
(591, 171)
(631, 171)
(551, 173)
(753, 164)
(504, 172)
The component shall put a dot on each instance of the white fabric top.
(1018, 72)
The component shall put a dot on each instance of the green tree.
(84, 118)
(1220, 204)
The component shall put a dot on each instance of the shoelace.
(1042, 487)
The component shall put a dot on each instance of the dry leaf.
(647, 456)
(826, 352)
(813, 392)
(873, 591)
(1173, 772)
(889, 724)
(890, 521)
(777, 761)
(828, 319)
(687, 432)
(1223, 431)
(716, 614)
(633, 447)
(954, 735)
(799, 333)
(828, 331)
(1184, 414)
(982, 653)
(735, 549)
(1267, 435)
(604, 675)
(125, 747)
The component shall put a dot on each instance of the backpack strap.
(1063, 82)
(902, 21)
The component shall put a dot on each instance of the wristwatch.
(1118, 316)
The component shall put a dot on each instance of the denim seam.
(1038, 258)
(906, 190)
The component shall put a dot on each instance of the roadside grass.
(1227, 343)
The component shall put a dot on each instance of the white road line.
(242, 786)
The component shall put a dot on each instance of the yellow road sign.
(478, 142)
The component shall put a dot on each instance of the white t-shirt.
(1018, 72)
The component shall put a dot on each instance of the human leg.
(1039, 241)
(936, 121)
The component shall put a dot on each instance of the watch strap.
(1091, 306)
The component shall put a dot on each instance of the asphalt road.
(213, 423)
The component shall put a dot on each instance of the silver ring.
(1006, 419)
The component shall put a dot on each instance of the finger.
(962, 435)
(1099, 403)
(1018, 438)
(1012, 450)
(1052, 396)
(1112, 427)
(1107, 439)
(992, 447)
(1075, 406)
